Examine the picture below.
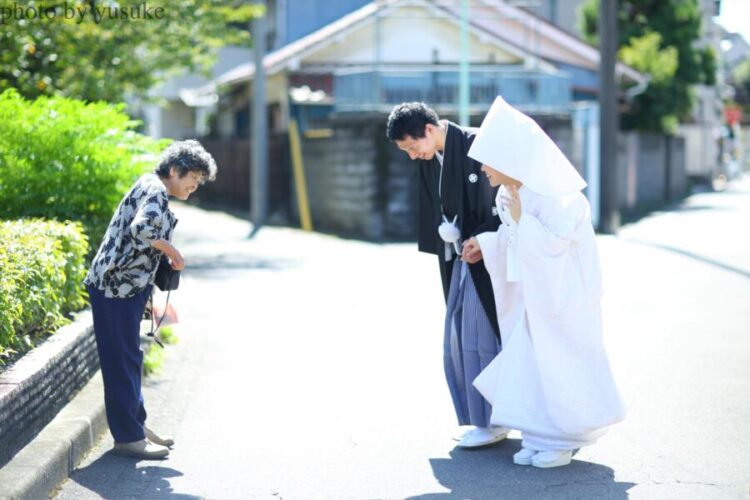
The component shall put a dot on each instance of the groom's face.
(419, 148)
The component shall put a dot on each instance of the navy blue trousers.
(117, 325)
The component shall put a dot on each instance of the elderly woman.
(119, 284)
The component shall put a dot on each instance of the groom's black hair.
(410, 118)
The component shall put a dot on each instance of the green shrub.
(68, 160)
(167, 335)
(42, 265)
(153, 360)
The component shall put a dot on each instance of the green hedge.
(64, 159)
(42, 265)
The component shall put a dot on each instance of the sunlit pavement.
(311, 367)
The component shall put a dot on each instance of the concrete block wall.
(678, 179)
(651, 170)
(343, 182)
(402, 196)
(651, 174)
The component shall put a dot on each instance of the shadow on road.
(489, 473)
(691, 255)
(150, 482)
(697, 208)
(226, 264)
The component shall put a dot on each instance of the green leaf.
(82, 57)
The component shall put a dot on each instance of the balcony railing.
(529, 90)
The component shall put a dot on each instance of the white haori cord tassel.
(450, 233)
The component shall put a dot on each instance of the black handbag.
(166, 277)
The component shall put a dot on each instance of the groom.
(455, 203)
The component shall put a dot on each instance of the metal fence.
(232, 185)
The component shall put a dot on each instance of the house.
(339, 80)
(702, 131)
(562, 13)
(385, 52)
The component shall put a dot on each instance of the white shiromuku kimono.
(552, 380)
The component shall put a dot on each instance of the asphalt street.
(311, 367)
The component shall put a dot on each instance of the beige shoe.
(143, 449)
(154, 438)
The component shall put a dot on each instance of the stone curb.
(49, 458)
(55, 390)
(47, 461)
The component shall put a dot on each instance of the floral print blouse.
(125, 263)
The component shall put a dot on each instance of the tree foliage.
(103, 49)
(64, 159)
(740, 80)
(659, 38)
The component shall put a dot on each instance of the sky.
(735, 17)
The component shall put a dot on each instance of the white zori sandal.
(551, 458)
(524, 456)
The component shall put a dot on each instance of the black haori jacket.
(466, 193)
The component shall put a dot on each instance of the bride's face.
(496, 178)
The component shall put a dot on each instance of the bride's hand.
(513, 203)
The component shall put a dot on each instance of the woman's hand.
(177, 261)
(513, 203)
(175, 257)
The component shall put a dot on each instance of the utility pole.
(609, 220)
(463, 69)
(259, 139)
(377, 88)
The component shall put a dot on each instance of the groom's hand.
(471, 251)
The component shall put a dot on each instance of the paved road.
(310, 367)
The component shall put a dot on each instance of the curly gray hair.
(186, 156)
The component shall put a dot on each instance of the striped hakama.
(470, 345)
